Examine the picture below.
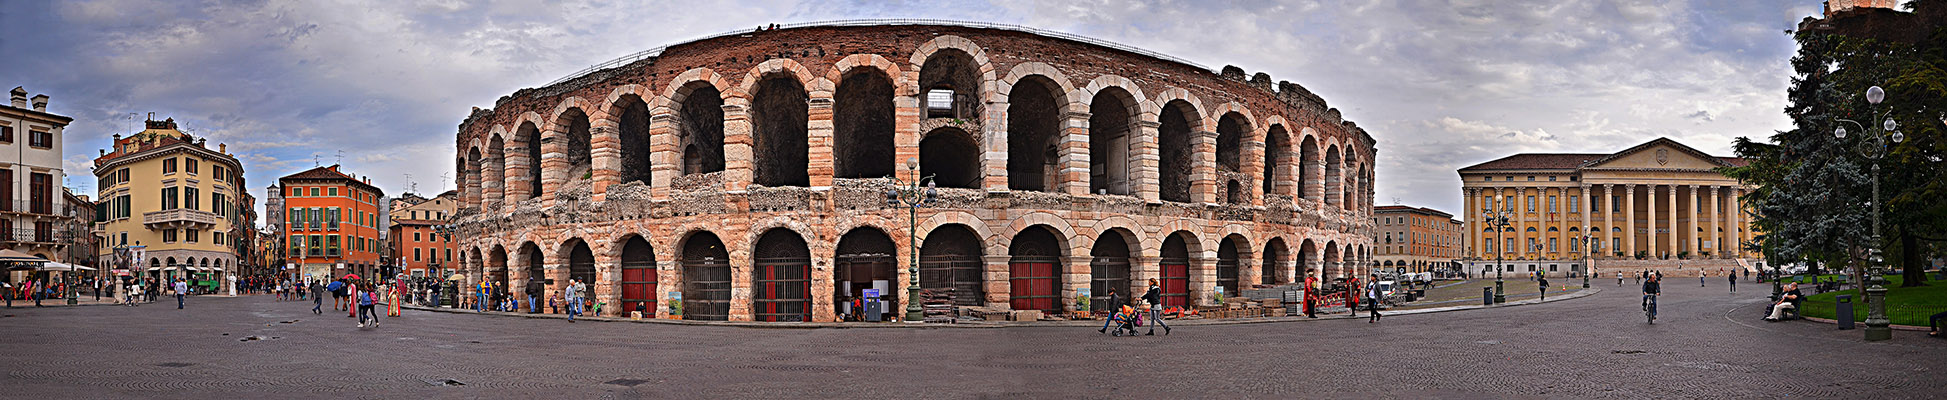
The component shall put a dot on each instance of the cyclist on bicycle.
(1651, 289)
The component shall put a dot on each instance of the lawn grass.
(1904, 306)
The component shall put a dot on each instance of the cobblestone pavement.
(1708, 344)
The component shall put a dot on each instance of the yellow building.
(173, 198)
(1415, 239)
(1660, 201)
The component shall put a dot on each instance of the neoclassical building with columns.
(1660, 201)
(743, 176)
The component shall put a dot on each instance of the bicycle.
(1649, 308)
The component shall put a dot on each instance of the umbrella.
(456, 277)
(351, 276)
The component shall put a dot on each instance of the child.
(637, 314)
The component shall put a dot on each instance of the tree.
(1814, 196)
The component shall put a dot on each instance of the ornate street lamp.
(912, 195)
(1589, 246)
(1499, 221)
(1874, 147)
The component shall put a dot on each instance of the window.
(169, 198)
(42, 139)
(216, 237)
(317, 245)
(169, 236)
(449, 255)
(415, 254)
(333, 192)
(1531, 203)
(1551, 204)
(1615, 203)
(314, 192)
(1573, 204)
(217, 172)
(415, 236)
(296, 192)
(297, 217)
(6, 134)
(331, 219)
(1487, 178)
(190, 198)
(331, 244)
(1510, 179)
(1552, 243)
(189, 165)
(168, 166)
(122, 209)
(415, 215)
(191, 235)
(121, 176)
(1531, 178)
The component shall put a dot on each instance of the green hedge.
(1904, 306)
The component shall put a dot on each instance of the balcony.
(180, 218)
(31, 236)
(30, 207)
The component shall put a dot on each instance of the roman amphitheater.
(744, 176)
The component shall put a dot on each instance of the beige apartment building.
(164, 192)
(1416, 239)
(1659, 201)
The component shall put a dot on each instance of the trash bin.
(1487, 296)
(1843, 311)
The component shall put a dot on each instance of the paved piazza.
(1708, 345)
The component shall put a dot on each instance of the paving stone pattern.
(1708, 344)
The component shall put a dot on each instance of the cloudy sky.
(383, 84)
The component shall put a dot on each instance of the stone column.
(1629, 221)
(1520, 203)
(1586, 210)
(1737, 230)
(1203, 277)
(554, 161)
(993, 142)
(1608, 219)
(1072, 164)
(665, 158)
(1203, 169)
(493, 176)
(604, 159)
(1467, 213)
(818, 143)
(1714, 232)
(607, 285)
(669, 278)
(1674, 230)
(738, 165)
(1694, 241)
(995, 283)
(1144, 176)
(519, 184)
(1651, 219)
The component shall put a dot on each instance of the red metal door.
(1176, 283)
(1032, 285)
(639, 288)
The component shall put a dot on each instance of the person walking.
(365, 314)
(1544, 288)
(1115, 301)
(1311, 294)
(573, 297)
(1372, 298)
(317, 298)
(6, 292)
(1733, 279)
(398, 296)
(352, 288)
(1700, 277)
(182, 287)
(534, 292)
(1155, 298)
(1618, 278)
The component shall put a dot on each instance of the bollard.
(1843, 311)
(1487, 296)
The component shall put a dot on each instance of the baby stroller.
(1126, 319)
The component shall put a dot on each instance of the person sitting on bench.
(1934, 322)
(1785, 302)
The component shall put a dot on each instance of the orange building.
(332, 223)
(417, 246)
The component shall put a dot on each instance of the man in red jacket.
(1311, 294)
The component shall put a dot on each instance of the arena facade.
(746, 174)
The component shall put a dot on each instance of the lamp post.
(1874, 147)
(1589, 245)
(920, 192)
(1498, 219)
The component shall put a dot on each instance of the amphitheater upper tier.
(747, 175)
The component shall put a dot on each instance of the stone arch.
(624, 147)
(1035, 118)
(778, 92)
(1111, 267)
(472, 176)
(526, 162)
(781, 276)
(954, 63)
(864, 256)
(952, 156)
(571, 127)
(1035, 267)
(952, 260)
(1179, 122)
(1276, 263)
(1233, 250)
(862, 117)
(705, 274)
(1113, 131)
(1334, 178)
(494, 170)
(578, 257)
(1311, 174)
(696, 118)
(1277, 177)
(1236, 129)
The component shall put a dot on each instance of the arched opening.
(1230, 254)
(535, 274)
(473, 175)
(1109, 271)
(862, 125)
(1033, 269)
(530, 139)
(706, 279)
(632, 128)
(574, 128)
(1231, 129)
(951, 157)
(495, 171)
(780, 280)
(496, 270)
(1334, 182)
(1275, 270)
(1175, 270)
(950, 265)
(1333, 269)
(867, 260)
(638, 277)
(1310, 176)
(1034, 118)
(581, 267)
(1277, 155)
(778, 116)
(700, 128)
(1110, 128)
(1177, 151)
(955, 78)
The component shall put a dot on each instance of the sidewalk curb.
(988, 324)
(1862, 324)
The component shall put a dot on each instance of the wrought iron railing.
(657, 51)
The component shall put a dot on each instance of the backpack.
(337, 288)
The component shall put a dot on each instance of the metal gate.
(861, 270)
(639, 287)
(1227, 275)
(1107, 273)
(783, 289)
(959, 273)
(706, 290)
(1175, 282)
(1031, 283)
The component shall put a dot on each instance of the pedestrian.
(398, 296)
(1544, 288)
(337, 288)
(1733, 279)
(365, 300)
(98, 286)
(573, 295)
(480, 302)
(1372, 298)
(1155, 298)
(352, 289)
(1700, 277)
(534, 295)
(182, 287)
(134, 293)
(1618, 278)
(34, 290)
(1311, 294)
(317, 298)
(1114, 301)
(6, 290)
(554, 304)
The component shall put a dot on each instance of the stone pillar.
(665, 158)
(1253, 166)
(494, 176)
(742, 267)
(607, 287)
(519, 184)
(1249, 272)
(1203, 169)
(1467, 210)
(1693, 241)
(669, 278)
(1075, 273)
(1145, 175)
(1608, 218)
(1073, 162)
(557, 270)
(1651, 205)
(996, 281)
(906, 135)
(818, 141)
(1203, 277)
(993, 138)
(554, 161)
(1737, 230)
(1629, 221)
(1714, 231)
(604, 158)
(1675, 230)
(1521, 204)
(738, 164)
(1314, 185)
(1586, 210)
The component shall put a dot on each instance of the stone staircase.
(1676, 268)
